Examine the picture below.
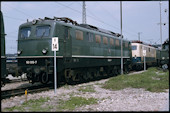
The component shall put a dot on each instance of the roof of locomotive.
(141, 43)
(69, 22)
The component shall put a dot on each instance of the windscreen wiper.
(43, 34)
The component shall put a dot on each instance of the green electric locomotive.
(3, 55)
(162, 55)
(85, 52)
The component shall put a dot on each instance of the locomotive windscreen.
(25, 32)
(134, 47)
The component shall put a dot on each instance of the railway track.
(20, 91)
(34, 89)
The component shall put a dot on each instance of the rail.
(20, 91)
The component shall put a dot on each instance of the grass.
(74, 102)
(39, 105)
(152, 80)
(32, 105)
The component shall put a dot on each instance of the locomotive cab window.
(25, 32)
(42, 31)
(134, 47)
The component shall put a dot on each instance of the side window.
(117, 42)
(105, 40)
(25, 32)
(90, 37)
(98, 38)
(126, 44)
(42, 31)
(146, 49)
(79, 35)
(111, 41)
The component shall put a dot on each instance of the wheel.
(44, 78)
(126, 70)
(85, 76)
(69, 76)
(115, 71)
(110, 72)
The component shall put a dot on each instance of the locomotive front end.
(137, 58)
(35, 57)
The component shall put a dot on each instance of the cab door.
(67, 44)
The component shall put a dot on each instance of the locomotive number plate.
(31, 62)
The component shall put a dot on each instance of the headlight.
(44, 51)
(19, 52)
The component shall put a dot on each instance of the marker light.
(19, 52)
(44, 51)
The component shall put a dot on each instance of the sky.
(139, 18)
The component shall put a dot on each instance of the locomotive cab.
(34, 50)
(35, 55)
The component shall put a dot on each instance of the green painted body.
(69, 46)
(3, 55)
(162, 57)
(72, 53)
